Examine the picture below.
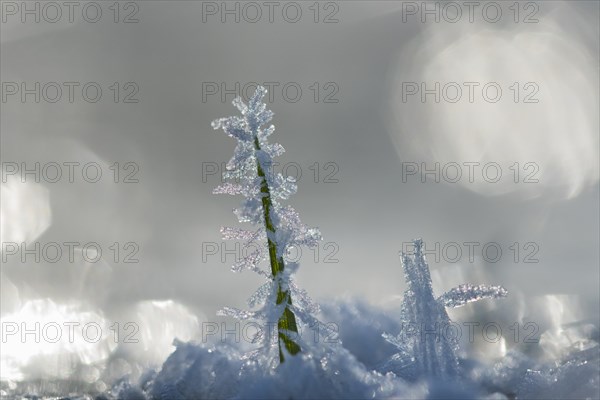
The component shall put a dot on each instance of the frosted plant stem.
(250, 175)
(287, 321)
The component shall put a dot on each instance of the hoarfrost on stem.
(250, 174)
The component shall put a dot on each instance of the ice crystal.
(426, 344)
(466, 293)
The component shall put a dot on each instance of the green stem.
(287, 321)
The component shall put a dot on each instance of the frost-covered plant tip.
(250, 173)
(422, 353)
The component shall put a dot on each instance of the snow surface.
(216, 370)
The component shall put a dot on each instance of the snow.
(218, 370)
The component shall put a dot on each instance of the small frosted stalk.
(250, 175)
(287, 321)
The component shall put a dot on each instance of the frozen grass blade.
(252, 176)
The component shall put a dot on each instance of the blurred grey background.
(355, 130)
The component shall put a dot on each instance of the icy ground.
(564, 364)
